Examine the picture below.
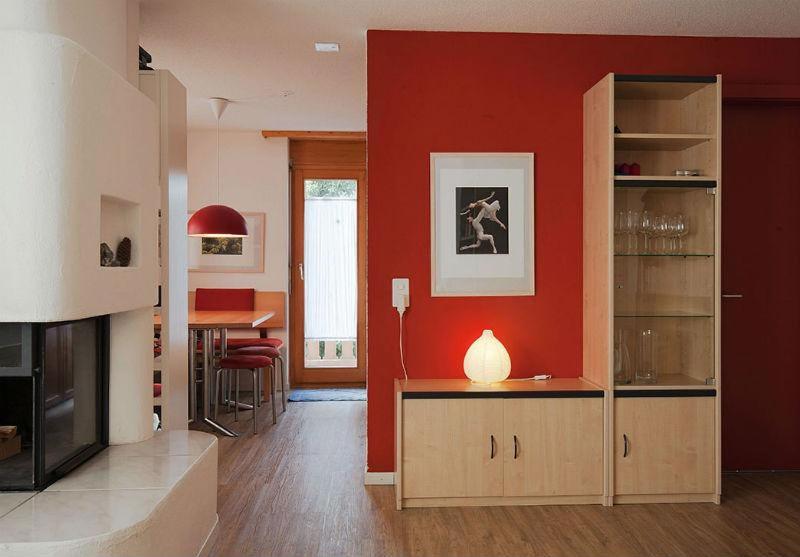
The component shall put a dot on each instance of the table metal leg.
(192, 376)
(208, 389)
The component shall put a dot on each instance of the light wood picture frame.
(482, 224)
(248, 257)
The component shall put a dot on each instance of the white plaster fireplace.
(79, 153)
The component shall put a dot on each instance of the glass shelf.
(663, 255)
(662, 314)
(667, 381)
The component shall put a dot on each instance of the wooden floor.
(297, 489)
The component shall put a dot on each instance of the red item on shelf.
(624, 169)
(635, 169)
(156, 389)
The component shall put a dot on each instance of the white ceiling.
(261, 52)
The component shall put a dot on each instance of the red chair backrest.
(220, 299)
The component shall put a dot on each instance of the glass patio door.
(327, 285)
(330, 267)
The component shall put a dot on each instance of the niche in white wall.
(120, 218)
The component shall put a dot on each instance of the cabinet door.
(553, 446)
(670, 445)
(452, 448)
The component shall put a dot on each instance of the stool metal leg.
(283, 382)
(260, 386)
(236, 402)
(256, 397)
(272, 393)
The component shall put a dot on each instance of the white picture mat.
(482, 274)
(251, 260)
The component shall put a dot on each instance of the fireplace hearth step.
(157, 497)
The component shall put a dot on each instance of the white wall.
(66, 168)
(254, 174)
(106, 28)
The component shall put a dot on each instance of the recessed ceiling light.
(326, 47)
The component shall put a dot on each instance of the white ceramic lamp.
(487, 360)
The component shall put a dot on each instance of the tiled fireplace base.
(157, 497)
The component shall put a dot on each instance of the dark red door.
(761, 255)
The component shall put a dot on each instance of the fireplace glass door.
(70, 391)
(53, 399)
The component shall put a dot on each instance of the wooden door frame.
(299, 373)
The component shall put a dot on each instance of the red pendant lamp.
(217, 221)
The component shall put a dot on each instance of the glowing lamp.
(487, 360)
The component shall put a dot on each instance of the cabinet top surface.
(467, 386)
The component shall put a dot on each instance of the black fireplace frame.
(33, 366)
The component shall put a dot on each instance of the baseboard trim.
(503, 501)
(378, 478)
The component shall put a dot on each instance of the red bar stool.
(238, 343)
(272, 353)
(254, 364)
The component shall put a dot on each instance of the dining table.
(202, 325)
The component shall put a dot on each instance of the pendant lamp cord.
(218, 188)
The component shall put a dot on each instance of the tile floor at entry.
(297, 489)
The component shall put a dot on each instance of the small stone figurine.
(107, 256)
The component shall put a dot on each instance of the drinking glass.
(622, 358)
(646, 371)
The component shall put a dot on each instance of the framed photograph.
(230, 255)
(482, 224)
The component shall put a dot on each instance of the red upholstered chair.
(254, 364)
(220, 299)
(272, 353)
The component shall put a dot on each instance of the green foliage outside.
(340, 189)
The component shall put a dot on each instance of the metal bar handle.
(625, 446)
(492, 447)
(516, 447)
(733, 295)
(302, 274)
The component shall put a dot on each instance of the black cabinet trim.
(503, 394)
(665, 184)
(664, 393)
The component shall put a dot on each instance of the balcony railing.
(330, 353)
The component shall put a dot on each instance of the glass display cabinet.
(652, 280)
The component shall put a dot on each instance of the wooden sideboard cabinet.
(511, 443)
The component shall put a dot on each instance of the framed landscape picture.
(230, 255)
(482, 224)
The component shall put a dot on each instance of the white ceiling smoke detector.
(326, 47)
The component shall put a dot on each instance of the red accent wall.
(430, 92)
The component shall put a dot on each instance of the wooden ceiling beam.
(316, 135)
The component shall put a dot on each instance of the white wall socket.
(401, 297)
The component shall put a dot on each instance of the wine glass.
(646, 228)
(656, 233)
(672, 231)
(633, 227)
(682, 230)
(618, 222)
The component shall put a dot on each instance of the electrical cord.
(402, 357)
